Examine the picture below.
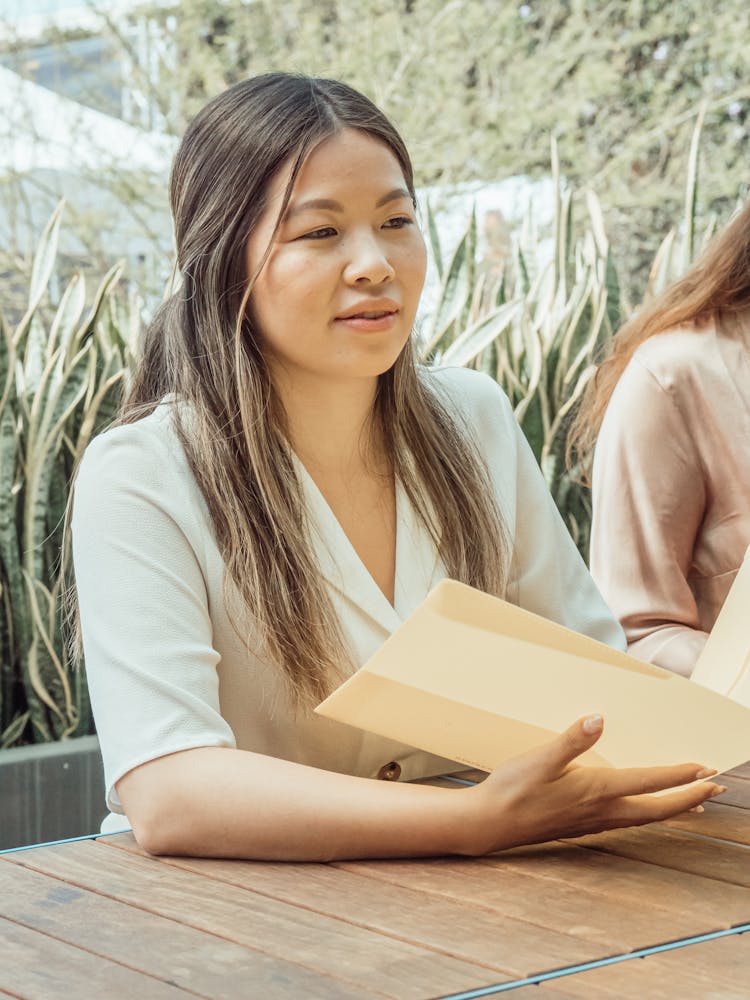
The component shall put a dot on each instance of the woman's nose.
(367, 262)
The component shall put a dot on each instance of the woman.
(283, 488)
(671, 471)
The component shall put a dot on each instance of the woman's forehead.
(348, 163)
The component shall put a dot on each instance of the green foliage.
(541, 326)
(60, 382)
(478, 89)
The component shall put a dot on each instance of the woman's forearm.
(217, 802)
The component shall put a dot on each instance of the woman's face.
(338, 294)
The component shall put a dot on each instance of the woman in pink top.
(671, 471)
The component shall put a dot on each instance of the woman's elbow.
(160, 824)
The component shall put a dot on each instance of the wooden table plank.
(37, 967)
(377, 965)
(153, 945)
(737, 793)
(661, 846)
(597, 897)
(389, 929)
(631, 881)
(743, 771)
(726, 822)
(481, 934)
(712, 970)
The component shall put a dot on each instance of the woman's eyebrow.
(328, 204)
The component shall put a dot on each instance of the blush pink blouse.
(671, 489)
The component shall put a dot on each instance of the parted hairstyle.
(203, 348)
(717, 285)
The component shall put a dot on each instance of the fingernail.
(705, 772)
(593, 724)
(718, 791)
(697, 809)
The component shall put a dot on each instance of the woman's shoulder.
(476, 396)
(675, 355)
(148, 449)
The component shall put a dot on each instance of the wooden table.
(99, 919)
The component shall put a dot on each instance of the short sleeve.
(649, 499)
(147, 634)
(547, 574)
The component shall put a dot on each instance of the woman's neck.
(330, 425)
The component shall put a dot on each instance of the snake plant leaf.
(613, 316)
(34, 360)
(691, 191)
(103, 292)
(10, 550)
(578, 310)
(101, 412)
(14, 731)
(67, 315)
(39, 465)
(661, 268)
(596, 219)
(454, 291)
(45, 670)
(7, 363)
(433, 240)
(41, 271)
(8, 672)
(478, 337)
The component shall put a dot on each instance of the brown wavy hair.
(202, 347)
(716, 285)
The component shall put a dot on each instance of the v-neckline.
(418, 565)
(346, 556)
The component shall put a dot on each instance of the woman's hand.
(543, 795)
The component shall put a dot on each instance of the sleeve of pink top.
(648, 493)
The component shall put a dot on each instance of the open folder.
(724, 664)
(474, 679)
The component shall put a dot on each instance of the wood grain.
(376, 965)
(681, 851)
(737, 793)
(477, 932)
(720, 820)
(39, 967)
(743, 771)
(712, 970)
(596, 896)
(169, 951)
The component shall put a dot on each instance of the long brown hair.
(202, 347)
(716, 285)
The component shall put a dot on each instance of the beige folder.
(724, 664)
(474, 679)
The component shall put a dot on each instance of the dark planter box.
(50, 791)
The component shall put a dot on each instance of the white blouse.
(166, 669)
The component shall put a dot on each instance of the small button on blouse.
(390, 772)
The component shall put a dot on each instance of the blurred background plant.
(541, 323)
(62, 370)
(477, 87)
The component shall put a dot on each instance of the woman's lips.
(369, 321)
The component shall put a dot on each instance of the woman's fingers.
(640, 780)
(559, 753)
(641, 809)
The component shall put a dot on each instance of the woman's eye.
(319, 234)
(400, 222)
